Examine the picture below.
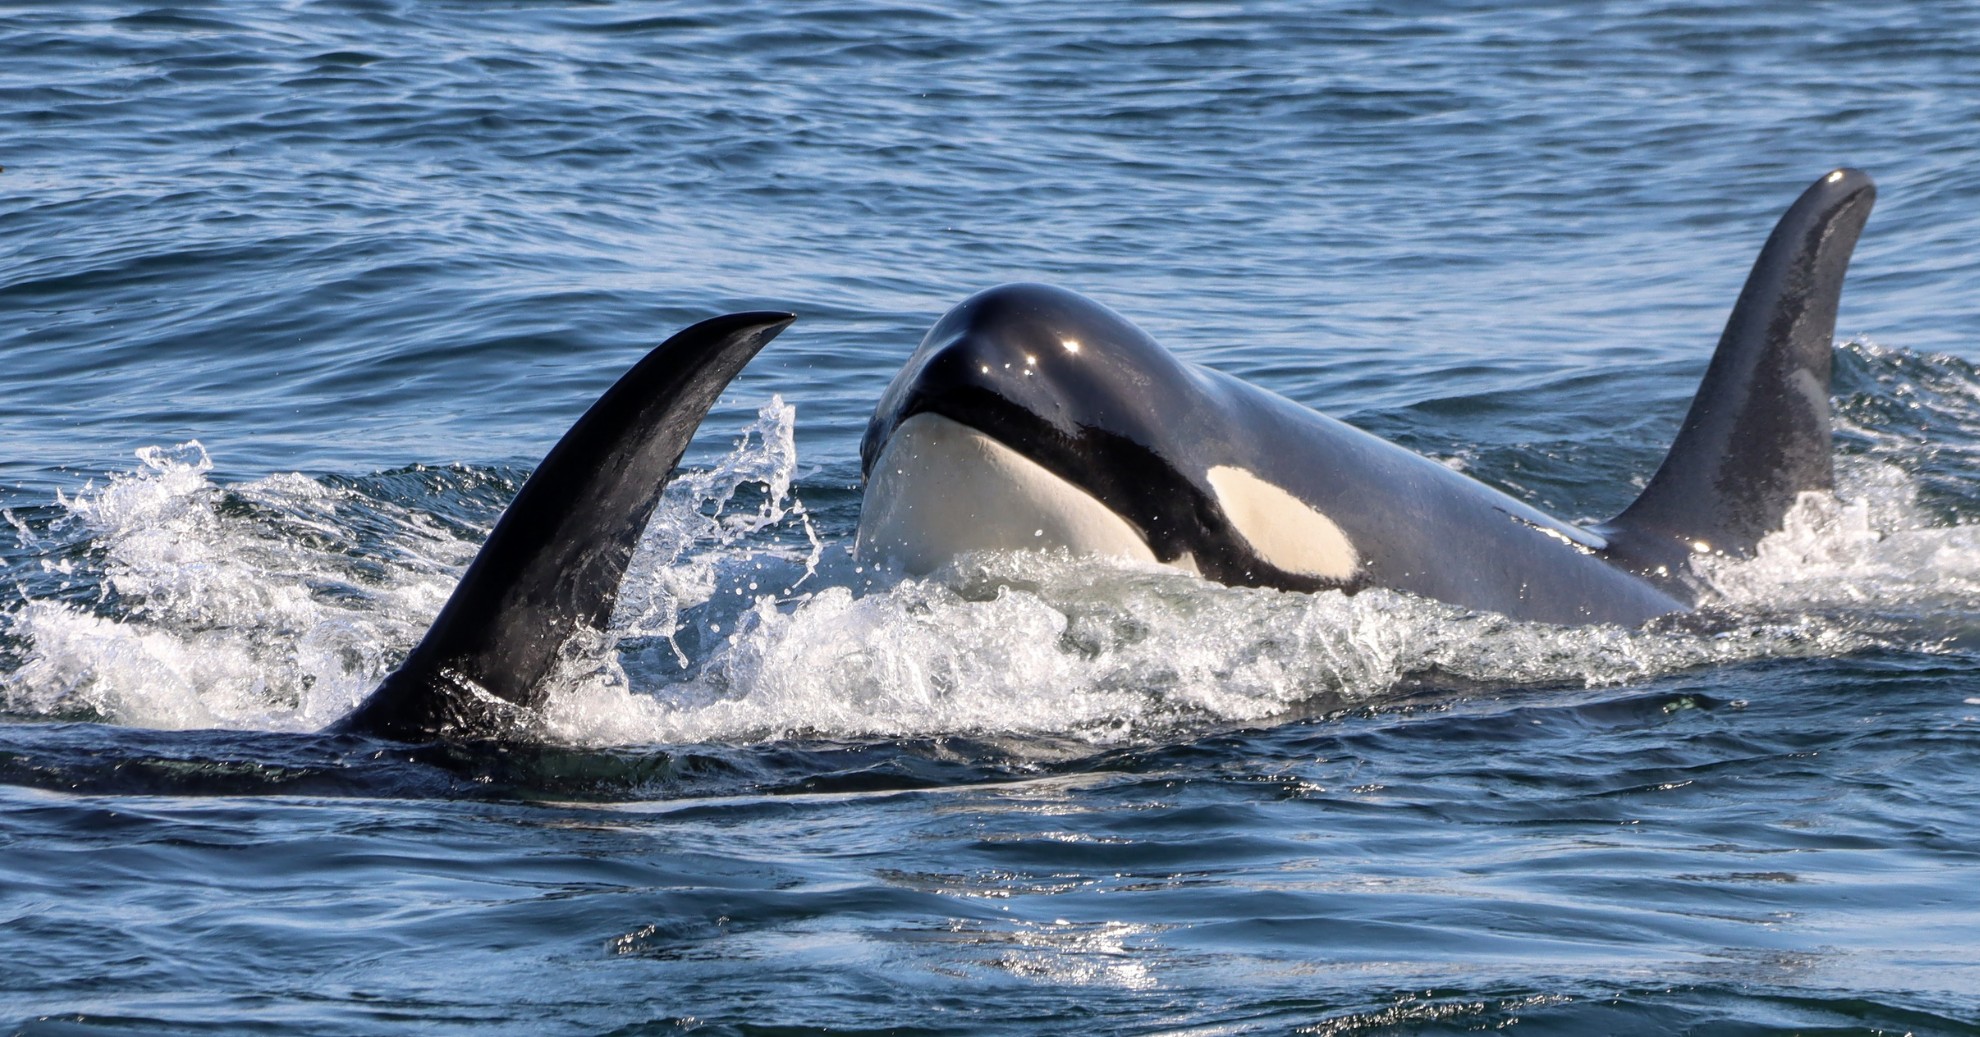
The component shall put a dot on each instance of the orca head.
(1033, 417)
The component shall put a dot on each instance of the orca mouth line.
(1179, 522)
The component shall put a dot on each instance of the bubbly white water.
(691, 540)
(236, 606)
(251, 606)
(1871, 547)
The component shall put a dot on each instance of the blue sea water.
(295, 294)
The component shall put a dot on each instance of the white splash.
(240, 606)
(1108, 652)
(1870, 550)
(260, 605)
(255, 605)
(690, 544)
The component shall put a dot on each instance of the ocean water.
(295, 294)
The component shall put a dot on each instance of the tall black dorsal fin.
(1757, 435)
(552, 565)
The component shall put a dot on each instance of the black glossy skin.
(1139, 429)
(1757, 433)
(551, 568)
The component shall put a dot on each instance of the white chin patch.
(941, 488)
(1284, 531)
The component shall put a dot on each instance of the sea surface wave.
(300, 293)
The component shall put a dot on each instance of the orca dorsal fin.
(1757, 434)
(552, 565)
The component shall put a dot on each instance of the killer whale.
(1033, 416)
(1030, 410)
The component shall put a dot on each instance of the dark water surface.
(295, 294)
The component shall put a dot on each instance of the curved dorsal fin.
(1757, 435)
(552, 565)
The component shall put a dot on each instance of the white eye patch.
(1285, 531)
